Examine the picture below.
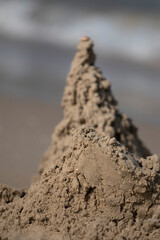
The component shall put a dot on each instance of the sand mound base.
(96, 191)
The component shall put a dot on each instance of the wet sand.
(25, 133)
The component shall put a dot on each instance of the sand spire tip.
(85, 38)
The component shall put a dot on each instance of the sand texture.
(97, 180)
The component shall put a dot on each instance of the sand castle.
(97, 179)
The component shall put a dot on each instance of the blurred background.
(38, 41)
